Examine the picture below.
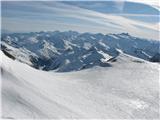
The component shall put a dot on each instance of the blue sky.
(138, 19)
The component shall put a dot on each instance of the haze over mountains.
(72, 51)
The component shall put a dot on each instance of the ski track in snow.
(127, 90)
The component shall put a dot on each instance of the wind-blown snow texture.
(72, 51)
(129, 89)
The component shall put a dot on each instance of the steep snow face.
(51, 50)
(127, 90)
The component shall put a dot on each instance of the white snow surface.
(129, 89)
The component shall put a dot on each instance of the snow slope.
(128, 89)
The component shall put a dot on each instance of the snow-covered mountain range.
(70, 50)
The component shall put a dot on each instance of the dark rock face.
(155, 58)
(8, 54)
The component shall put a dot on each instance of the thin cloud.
(52, 13)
